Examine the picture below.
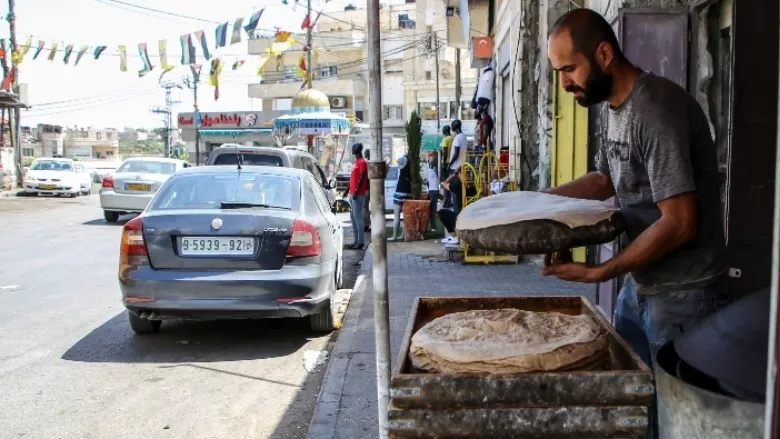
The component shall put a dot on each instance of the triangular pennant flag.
(163, 49)
(254, 20)
(220, 35)
(82, 51)
(39, 49)
(236, 38)
(306, 22)
(144, 53)
(261, 65)
(7, 81)
(187, 50)
(282, 36)
(53, 52)
(237, 65)
(98, 51)
(24, 48)
(201, 37)
(68, 51)
(216, 69)
(294, 5)
(122, 58)
(302, 72)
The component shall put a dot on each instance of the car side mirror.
(331, 184)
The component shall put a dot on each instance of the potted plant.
(416, 210)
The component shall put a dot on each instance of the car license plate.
(213, 246)
(138, 187)
(48, 186)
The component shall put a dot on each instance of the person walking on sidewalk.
(459, 146)
(358, 187)
(658, 158)
(444, 171)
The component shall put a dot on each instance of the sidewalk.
(347, 404)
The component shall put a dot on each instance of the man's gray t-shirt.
(659, 145)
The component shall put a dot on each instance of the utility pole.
(193, 85)
(15, 126)
(309, 42)
(377, 170)
(435, 43)
(457, 82)
(167, 112)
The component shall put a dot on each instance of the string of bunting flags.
(193, 45)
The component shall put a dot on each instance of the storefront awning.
(223, 132)
(431, 142)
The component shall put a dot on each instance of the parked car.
(53, 176)
(85, 179)
(289, 157)
(98, 174)
(133, 185)
(221, 242)
(391, 181)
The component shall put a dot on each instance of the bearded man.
(659, 160)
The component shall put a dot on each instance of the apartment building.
(340, 68)
(91, 143)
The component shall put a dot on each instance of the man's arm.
(676, 227)
(591, 186)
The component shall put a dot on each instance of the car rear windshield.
(148, 167)
(249, 160)
(210, 191)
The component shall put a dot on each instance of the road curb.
(323, 421)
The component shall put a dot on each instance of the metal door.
(655, 40)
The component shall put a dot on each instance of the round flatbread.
(527, 222)
(506, 341)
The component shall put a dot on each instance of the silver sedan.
(134, 184)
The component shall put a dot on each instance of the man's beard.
(597, 89)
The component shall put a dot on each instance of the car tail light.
(305, 240)
(108, 182)
(132, 251)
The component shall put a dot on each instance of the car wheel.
(110, 216)
(143, 326)
(323, 320)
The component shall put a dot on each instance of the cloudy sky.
(96, 93)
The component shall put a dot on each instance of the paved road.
(71, 368)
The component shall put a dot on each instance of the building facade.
(91, 143)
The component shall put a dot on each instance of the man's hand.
(575, 272)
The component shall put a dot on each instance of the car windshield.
(51, 165)
(249, 160)
(215, 191)
(148, 167)
(392, 173)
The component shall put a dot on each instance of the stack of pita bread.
(505, 341)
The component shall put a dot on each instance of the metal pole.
(772, 394)
(376, 174)
(16, 127)
(308, 43)
(457, 83)
(196, 80)
(435, 43)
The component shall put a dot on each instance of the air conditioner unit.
(338, 102)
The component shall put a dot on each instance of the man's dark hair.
(588, 29)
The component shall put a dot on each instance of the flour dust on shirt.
(658, 145)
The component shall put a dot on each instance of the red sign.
(482, 47)
(223, 119)
(186, 121)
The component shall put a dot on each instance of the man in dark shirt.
(659, 160)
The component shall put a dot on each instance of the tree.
(414, 140)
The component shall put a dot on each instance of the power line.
(87, 107)
(173, 14)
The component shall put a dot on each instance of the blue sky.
(95, 93)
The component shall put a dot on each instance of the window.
(108, 136)
(209, 191)
(248, 160)
(98, 136)
(466, 112)
(428, 75)
(427, 110)
(319, 197)
(394, 112)
(327, 72)
(28, 152)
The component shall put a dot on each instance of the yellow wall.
(570, 142)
